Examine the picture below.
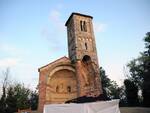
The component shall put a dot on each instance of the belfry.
(76, 76)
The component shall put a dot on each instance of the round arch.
(58, 68)
(86, 58)
(61, 84)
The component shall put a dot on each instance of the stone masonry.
(76, 76)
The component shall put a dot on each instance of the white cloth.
(94, 107)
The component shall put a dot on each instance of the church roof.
(60, 59)
(77, 14)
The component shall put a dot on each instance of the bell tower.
(82, 52)
(81, 40)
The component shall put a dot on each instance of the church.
(77, 75)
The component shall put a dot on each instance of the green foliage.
(34, 100)
(147, 40)
(136, 71)
(110, 88)
(131, 91)
(146, 74)
(114, 90)
(4, 88)
(18, 97)
(22, 96)
(11, 101)
(104, 79)
(139, 71)
(3, 101)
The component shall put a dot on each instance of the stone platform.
(93, 107)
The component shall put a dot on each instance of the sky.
(33, 34)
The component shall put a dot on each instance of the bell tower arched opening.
(86, 59)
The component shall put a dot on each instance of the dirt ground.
(134, 110)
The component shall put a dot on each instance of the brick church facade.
(76, 76)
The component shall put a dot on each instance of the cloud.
(55, 19)
(99, 27)
(55, 32)
(10, 55)
(54, 15)
(9, 62)
(26, 73)
(9, 49)
(21, 71)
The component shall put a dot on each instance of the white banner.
(93, 107)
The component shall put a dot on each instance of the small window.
(81, 25)
(69, 89)
(57, 89)
(86, 46)
(84, 26)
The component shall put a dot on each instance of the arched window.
(81, 25)
(84, 26)
(69, 89)
(86, 59)
(86, 47)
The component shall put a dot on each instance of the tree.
(34, 100)
(146, 74)
(136, 71)
(122, 96)
(105, 82)
(22, 96)
(114, 90)
(109, 87)
(139, 70)
(16, 96)
(131, 91)
(11, 100)
(4, 87)
(3, 102)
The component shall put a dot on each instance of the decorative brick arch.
(58, 68)
(61, 68)
(61, 84)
